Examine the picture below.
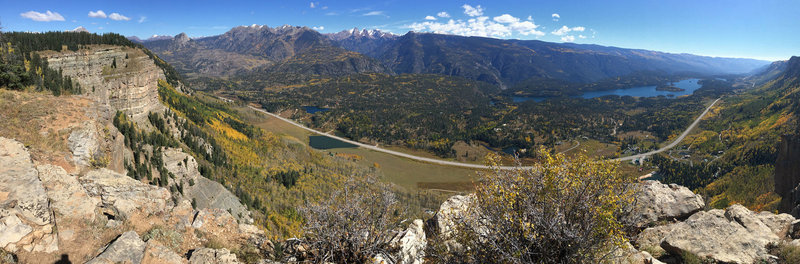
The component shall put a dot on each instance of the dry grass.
(42, 122)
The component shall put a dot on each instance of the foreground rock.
(656, 201)
(128, 248)
(25, 216)
(124, 196)
(68, 199)
(411, 243)
(209, 256)
(21, 192)
(453, 211)
(733, 235)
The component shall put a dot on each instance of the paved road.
(468, 165)
(676, 141)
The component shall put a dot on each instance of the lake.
(323, 142)
(689, 86)
(314, 109)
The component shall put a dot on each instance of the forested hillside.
(747, 128)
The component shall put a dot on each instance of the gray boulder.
(156, 253)
(127, 248)
(124, 195)
(733, 235)
(67, 197)
(83, 142)
(212, 256)
(657, 201)
(21, 192)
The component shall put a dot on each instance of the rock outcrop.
(206, 193)
(733, 235)
(127, 248)
(124, 78)
(209, 256)
(412, 244)
(155, 253)
(83, 142)
(657, 201)
(25, 216)
(68, 199)
(21, 192)
(454, 210)
(124, 195)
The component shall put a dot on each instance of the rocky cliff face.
(124, 78)
(787, 174)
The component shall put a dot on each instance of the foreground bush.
(560, 211)
(353, 226)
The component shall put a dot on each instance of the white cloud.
(97, 14)
(43, 17)
(526, 28)
(473, 11)
(318, 28)
(118, 17)
(142, 19)
(565, 29)
(430, 18)
(530, 17)
(568, 38)
(313, 5)
(331, 14)
(582, 36)
(556, 16)
(506, 18)
(374, 13)
(443, 14)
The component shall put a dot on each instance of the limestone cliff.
(122, 77)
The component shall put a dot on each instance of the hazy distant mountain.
(506, 62)
(152, 38)
(252, 49)
(769, 72)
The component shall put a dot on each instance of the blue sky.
(764, 29)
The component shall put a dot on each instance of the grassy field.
(401, 171)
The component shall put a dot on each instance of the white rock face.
(413, 243)
(453, 210)
(12, 230)
(83, 142)
(733, 235)
(131, 87)
(124, 194)
(656, 201)
(67, 196)
(20, 189)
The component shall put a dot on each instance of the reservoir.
(323, 142)
(314, 109)
(688, 86)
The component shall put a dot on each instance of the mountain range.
(254, 50)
